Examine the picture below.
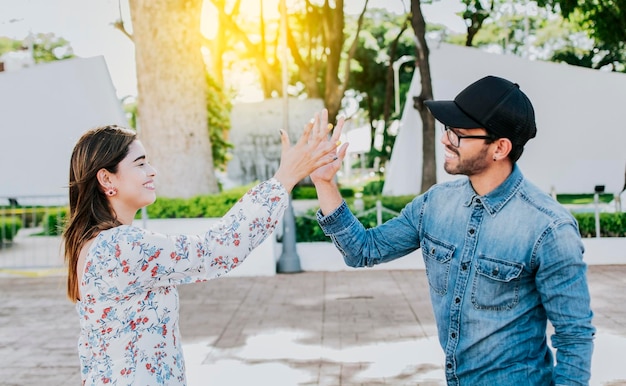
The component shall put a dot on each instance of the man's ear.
(502, 149)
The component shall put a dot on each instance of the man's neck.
(491, 178)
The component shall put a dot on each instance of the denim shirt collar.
(495, 200)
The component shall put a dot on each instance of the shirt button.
(457, 300)
(495, 271)
(449, 365)
(478, 201)
(471, 231)
(463, 266)
(453, 335)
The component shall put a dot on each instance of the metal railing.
(29, 237)
(360, 212)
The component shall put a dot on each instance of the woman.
(123, 278)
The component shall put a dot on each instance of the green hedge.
(54, 221)
(9, 226)
(308, 230)
(214, 205)
(611, 224)
(29, 216)
(306, 192)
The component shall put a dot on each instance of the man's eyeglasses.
(455, 138)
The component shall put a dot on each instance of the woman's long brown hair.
(90, 212)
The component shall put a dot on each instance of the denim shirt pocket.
(437, 259)
(496, 284)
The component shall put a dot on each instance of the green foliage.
(49, 48)
(373, 188)
(219, 107)
(29, 217)
(611, 224)
(605, 19)
(370, 70)
(308, 230)
(214, 205)
(130, 109)
(303, 192)
(9, 226)
(46, 47)
(54, 221)
(346, 192)
(9, 45)
(582, 199)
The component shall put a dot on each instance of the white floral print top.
(129, 301)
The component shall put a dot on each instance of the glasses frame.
(455, 138)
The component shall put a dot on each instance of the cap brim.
(448, 113)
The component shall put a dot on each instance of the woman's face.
(134, 180)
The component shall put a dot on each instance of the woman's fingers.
(337, 132)
(319, 142)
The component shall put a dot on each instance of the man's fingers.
(304, 138)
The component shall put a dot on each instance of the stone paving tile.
(312, 328)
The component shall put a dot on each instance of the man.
(502, 257)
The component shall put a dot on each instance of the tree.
(172, 100)
(46, 47)
(605, 21)
(382, 41)
(475, 14)
(316, 42)
(429, 166)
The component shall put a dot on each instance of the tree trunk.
(172, 104)
(333, 23)
(429, 165)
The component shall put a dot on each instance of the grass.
(582, 199)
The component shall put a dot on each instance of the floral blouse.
(129, 301)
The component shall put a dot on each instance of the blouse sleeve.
(127, 258)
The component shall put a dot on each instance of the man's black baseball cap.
(492, 103)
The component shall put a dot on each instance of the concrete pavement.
(351, 327)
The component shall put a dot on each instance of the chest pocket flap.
(437, 250)
(499, 270)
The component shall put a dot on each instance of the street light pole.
(396, 78)
(289, 261)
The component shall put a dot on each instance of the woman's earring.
(111, 192)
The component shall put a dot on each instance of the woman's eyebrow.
(140, 157)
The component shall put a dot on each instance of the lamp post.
(396, 78)
(596, 199)
(289, 261)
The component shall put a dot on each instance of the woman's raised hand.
(316, 150)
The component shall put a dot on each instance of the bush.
(611, 224)
(29, 216)
(213, 205)
(54, 221)
(308, 230)
(346, 192)
(304, 193)
(373, 188)
(309, 193)
(9, 226)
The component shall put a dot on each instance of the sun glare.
(249, 9)
(246, 83)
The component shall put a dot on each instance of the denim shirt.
(499, 266)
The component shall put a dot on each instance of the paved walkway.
(359, 327)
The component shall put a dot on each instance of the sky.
(87, 25)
